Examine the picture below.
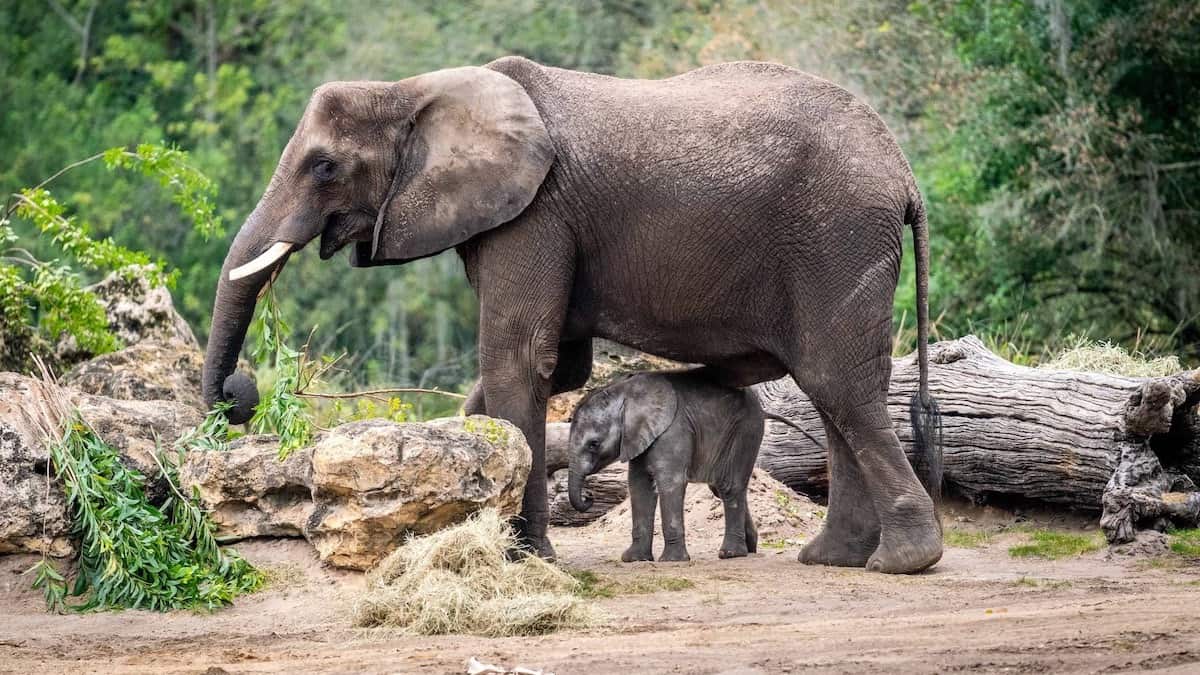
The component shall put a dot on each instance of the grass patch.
(965, 539)
(459, 580)
(1054, 545)
(1185, 542)
(1034, 582)
(1106, 357)
(592, 585)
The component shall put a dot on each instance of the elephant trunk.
(576, 479)
(233, 310)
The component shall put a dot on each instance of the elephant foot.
(831, 548)
(530, 542)
(636, 553)
(733, 551)
(913, 544)
(674, 554)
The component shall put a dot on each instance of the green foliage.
(213, 434)
(490, 429)
(965, 539)
(190, 190)
(1185, 542)
(281, 411)
(134, 555)
(1054, 545)
(40, 301)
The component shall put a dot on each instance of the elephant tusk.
(263, 261)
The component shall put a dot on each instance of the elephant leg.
(751, 531)
(642, 500)
(851, 531)
(671, 492)
(735, 544)
(848, 383)
(572, 372)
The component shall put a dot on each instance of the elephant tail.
(923, 409)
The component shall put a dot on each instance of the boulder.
(149, 370)
(359, 489)
(33, 515)
(136, 312)
(249, 492)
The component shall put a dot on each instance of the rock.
(249, 492)
(608, 488)
(376, 481)
(1146, 543)
(136, 312)
(33, 516)
(149, 370)
(359, 489)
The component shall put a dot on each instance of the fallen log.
(1126, 447)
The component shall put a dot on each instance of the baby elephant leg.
(671, 492)
(642, 499)
(737, 541)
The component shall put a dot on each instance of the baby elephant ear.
(474, 159)
(650, 407)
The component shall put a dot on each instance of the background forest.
(1056, 142)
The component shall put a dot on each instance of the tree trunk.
(1123, 446)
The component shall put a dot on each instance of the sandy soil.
(979, 610)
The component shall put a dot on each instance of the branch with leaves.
(42, 300)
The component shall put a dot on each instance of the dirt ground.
(978, 610)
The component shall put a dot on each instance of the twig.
(381, 392)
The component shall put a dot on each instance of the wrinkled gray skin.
(745, 216)
(673, 428)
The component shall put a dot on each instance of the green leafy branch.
(287, 409)
(132, 554)
(41, 300)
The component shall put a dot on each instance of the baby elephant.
(673, 428)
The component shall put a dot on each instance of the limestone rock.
(376, 481)
(135, 312)
(359, 489)
(149, 370)
(249, 492)
(33, 514)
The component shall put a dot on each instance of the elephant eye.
(323, 170)
(593, 444)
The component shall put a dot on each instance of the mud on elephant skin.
(744, 216)
(673, 428)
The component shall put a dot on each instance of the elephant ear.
(650, 408)
(474, 159)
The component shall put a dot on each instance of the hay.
(1106, 357)
(459, 580)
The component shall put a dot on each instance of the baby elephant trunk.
(575, 486)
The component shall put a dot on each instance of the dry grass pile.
(1106, 357)
(459, 580)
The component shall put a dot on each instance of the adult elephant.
(747, 216)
